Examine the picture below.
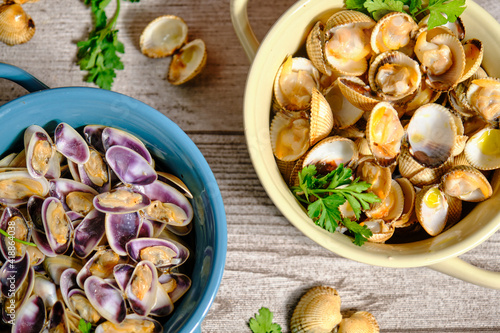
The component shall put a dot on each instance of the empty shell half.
(163, 36)
(187, 62)
(16, 27)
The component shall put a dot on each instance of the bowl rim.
(259, 147)
(189, 148)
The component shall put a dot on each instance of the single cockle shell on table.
(431, 135)
(163, 36)
(294, 82)
(347, 42)
(394, 31)
(442, 57)
(16, 27)
(321, 117)
(329, 153)
(289, 136)
(393, 75)
(344, 113)
(187, 62)
(482, 96)
(384, 133)
(482, 150)
(317, 311)
(359, 322)
(466, 183)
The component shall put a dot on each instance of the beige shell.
(409, 195)
(393, 75)
(363, 147)
(344, 113)
(457, 27)
(381, 230)
(384, 133)
(285, 168)
(163, 36)
(321, 118)
(351, 132)
(391, 207)
(422, 96)
(315, 48)
(330, 152)
(359, 322)
(460, 160)
(454, 211)
(294, 82)
(446, 74)
(16, 27)
(481, 97)
(294, 174)
(341, 29)
(431, 206)
(461, 138)
(473, 50)
(482, 150)
(187, 62)
(418, 174)
(466, 183)
(358, 93)
(393, 32)
(317, 311)
(289, 136)
(380, 177)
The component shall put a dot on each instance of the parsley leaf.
(263, 322)
(442, 11)
(98, 55)
(323, 196)
(83, 326)
(379, 8)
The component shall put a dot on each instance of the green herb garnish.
(323, 196)
(83, 326)
(441, 11)
(3, 232)
(98, 54)
(263, 322)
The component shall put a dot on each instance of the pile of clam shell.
(168, 35)
(318, 311)
(409, 109)
(108, 231)
(16, 26)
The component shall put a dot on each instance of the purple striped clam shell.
(162, 253)
(71, 144)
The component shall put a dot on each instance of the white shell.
(187, 62)
(163, 36)
(483, 149)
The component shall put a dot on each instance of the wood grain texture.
(269, 262)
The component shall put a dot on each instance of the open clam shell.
(473, 50)
(321, 118)
(93, 136)
(344, 113)
(71, 144)
(57, 225)
(358, 93)
(409, 195)
(360, 321)
(89, 233)
(384, 133)
(142, 288)
(187, 62)
(330, 152)
(432, 208)
(132, 323)
(106, 299)
(121, 228)
(394, 75)
(17, 186)
(74, 196)
(380, 177)
(317, 311)
(31, 316)
(162, 253)
(16, 27)
(482, 149)
(129, 166)
(391, 207)
(315, 44)
(122, 200)
(163, 36)
(115, 137)
(481, 96)
(58, 320)
(40, 153)
(466, 183)
(381, 230)
(13, 222)
(289, 136)
(393, 32)
(175, 284)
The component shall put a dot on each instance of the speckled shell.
(480, 187)
(321, 118)
(16, 27)
(317, 311)
(158, 33)
(359, 322)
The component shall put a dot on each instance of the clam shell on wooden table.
(16, 27)
(359, 322)
(163, 36)
(187, 62)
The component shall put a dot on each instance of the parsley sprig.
(323, 195)
(99, 53)
(84, 326)
(263, 322)
(441, 11)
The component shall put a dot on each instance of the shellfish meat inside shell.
(163, 36)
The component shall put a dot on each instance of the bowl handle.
(21, 77)
(462, 270)
(241, 25)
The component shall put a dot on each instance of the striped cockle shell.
(320, 119)
(394, 31)
(289, 136)
(359, 322)
(409, 195)
(482, 149)
(358, 93)
(431, 206)
(16, 27)
(330, 152)
(473, 50)
(466, 183)
(317, 311)
(315, 48)
(187, 62)
(344, 113)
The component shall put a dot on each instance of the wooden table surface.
(269, 262)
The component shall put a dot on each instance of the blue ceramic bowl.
(171, 147)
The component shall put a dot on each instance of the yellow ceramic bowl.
(287, 36)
